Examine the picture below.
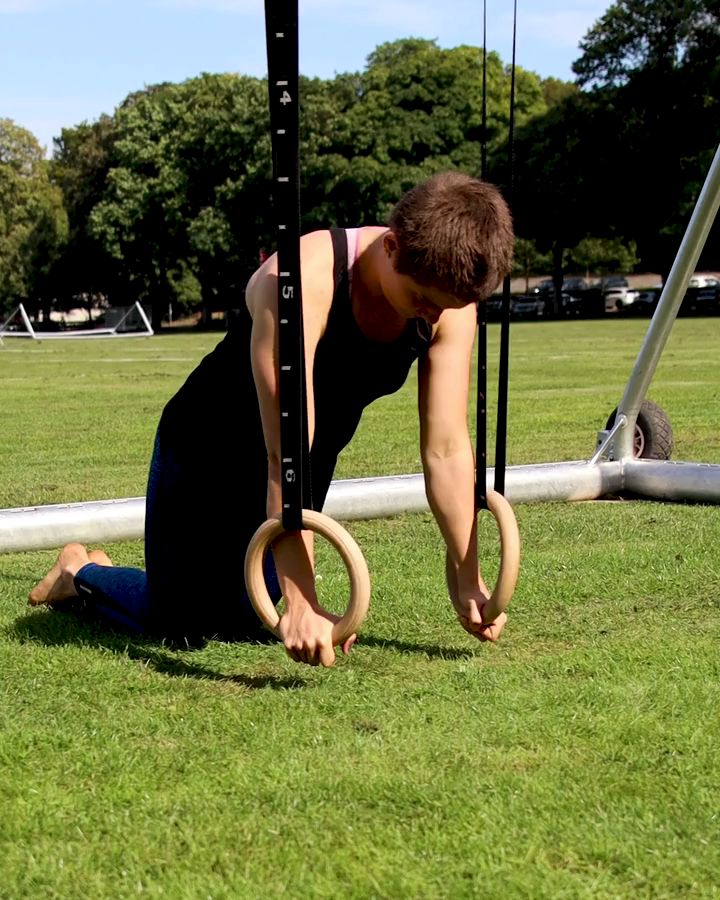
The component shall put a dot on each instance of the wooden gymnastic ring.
(351, 555)
(509, 556)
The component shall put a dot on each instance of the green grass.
(578, 758)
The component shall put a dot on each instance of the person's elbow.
(446, 451)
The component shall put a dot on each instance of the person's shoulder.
(316, 265)
(456, 325)
(316, 252)
(315, 249)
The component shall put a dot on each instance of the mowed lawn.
(578, 758)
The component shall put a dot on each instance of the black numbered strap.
(504, 364)
(481, 402)
(481, 411)
(281, 24)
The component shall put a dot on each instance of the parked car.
(619, 298)
(493, 308)
(570, 285)
(707, 301)
(703, 281)
(613, 281)
(528, 307)
(646, 302)
(545, 287)
(701, 301)
(571, 305)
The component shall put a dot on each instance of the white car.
(617, 298)
(703, 281)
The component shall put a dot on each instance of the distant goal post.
(117, 322)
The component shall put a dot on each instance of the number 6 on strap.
(509, 556)
(343, 543)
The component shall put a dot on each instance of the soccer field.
(577, 758)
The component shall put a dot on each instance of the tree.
(598, 256)
(652, 67)
(33, 224)
(415, 110)
(641, 36)
(528, 260)
(555, 174)
(555, 90)
(188, 186)
(79, 167)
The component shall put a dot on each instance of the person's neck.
(374, 314)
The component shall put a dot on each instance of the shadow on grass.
(432, 651)
(57, 629)
(53, 629)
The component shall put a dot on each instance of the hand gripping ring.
(343, 543)
(509, 556)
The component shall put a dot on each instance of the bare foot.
(100, 557)
(58, 584)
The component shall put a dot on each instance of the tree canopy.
(167, 199)
(33, 223)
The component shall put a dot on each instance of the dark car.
(707, 301)
(570, 285)
(571, 305)
(700, 301)
(528, 307)
(613, 281)
(545, 287)
(493, 308)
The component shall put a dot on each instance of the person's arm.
(449, 464)
(306, 631)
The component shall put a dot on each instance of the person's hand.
(469, 602)
(470, 613)
(306, 632)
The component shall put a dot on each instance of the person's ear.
(390, 246)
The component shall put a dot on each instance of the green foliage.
(635, 36)
(600, 256)
(79, 167)
(33, 224)
(528, 260)
(415, 110)
(625, 158)
(186, 289)
(554, 195)
(555, 90)
(653, 66)
(169, 200)
(187, 187)
(179, 180)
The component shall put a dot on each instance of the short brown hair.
(455, 233)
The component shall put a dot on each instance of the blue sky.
(65, 61)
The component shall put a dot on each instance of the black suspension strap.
(481, 404)
(281, 25)
(504, 364)
(494, 500)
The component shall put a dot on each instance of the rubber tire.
(653, 432)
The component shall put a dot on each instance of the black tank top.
(351, 371)
(215, 415)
